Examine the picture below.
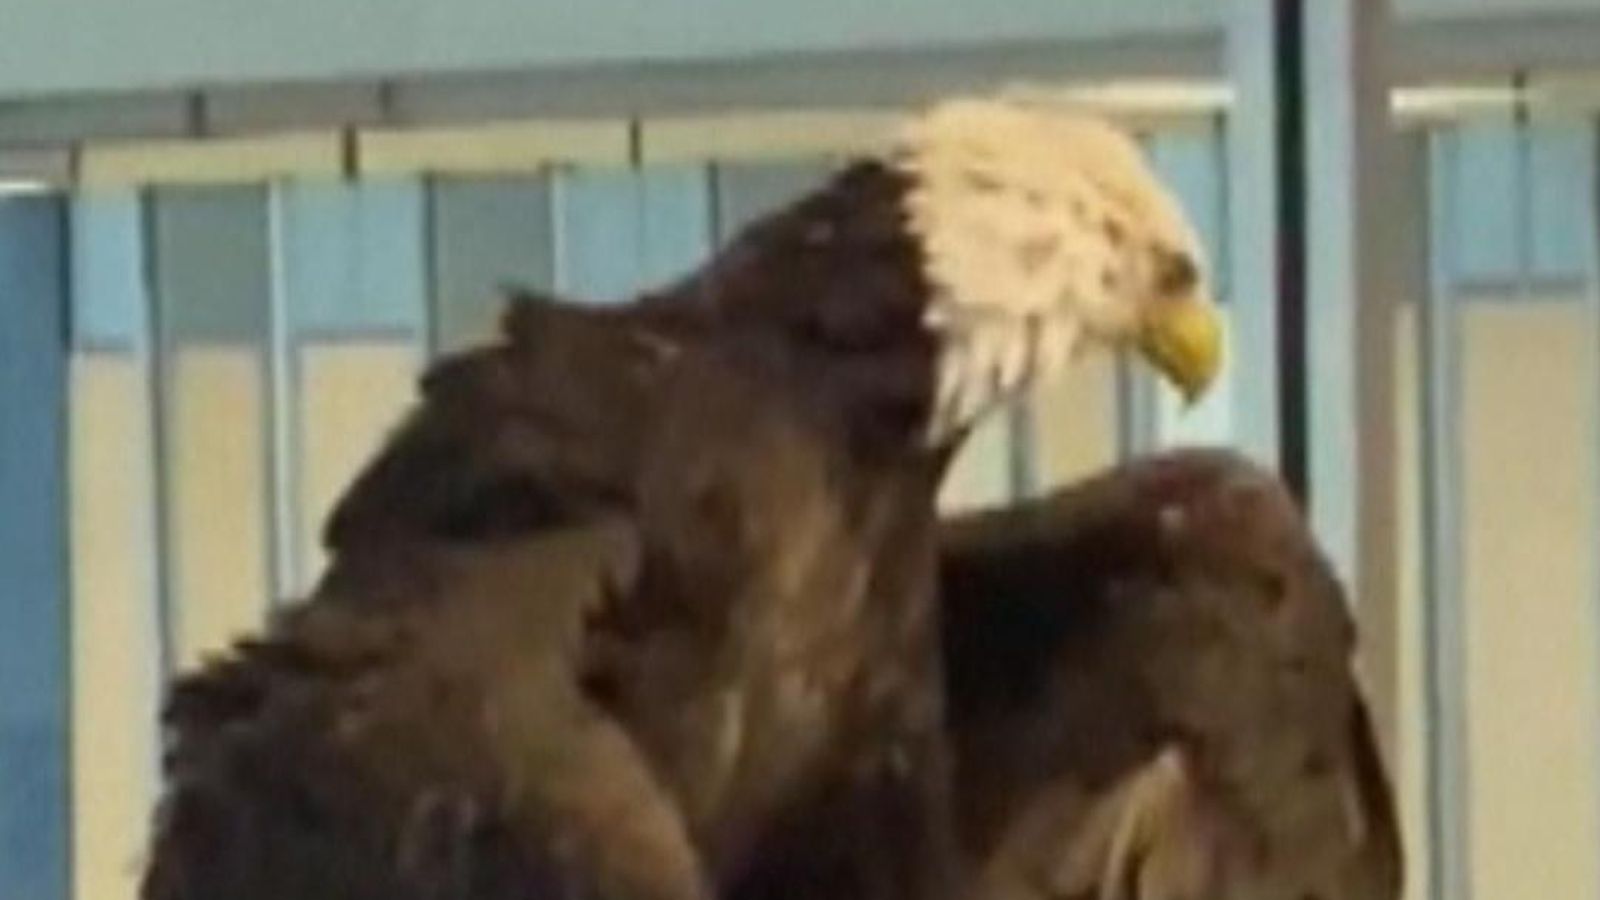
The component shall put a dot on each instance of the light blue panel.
(392, 274)
(620, 231)
(34, 646)
(212, 263)
(485, 234)
(599, 234)
(1485, 231)
(747, 191)
(1561, 199)
(319, 229)
(353, 260)
(1191, 163)
(108, 285)
(675, 206)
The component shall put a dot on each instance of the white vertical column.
(1444, 661)
(1252, 200)
(1352, 278)
(1591, 273)
(280, 415)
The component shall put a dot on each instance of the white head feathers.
(1040, 228)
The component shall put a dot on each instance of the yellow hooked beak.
(1182, 339)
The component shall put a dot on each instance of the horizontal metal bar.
(212, 161)
(499, 147)
(101, 116)
(509, 146)
(265, 108)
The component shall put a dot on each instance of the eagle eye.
(1176, 273)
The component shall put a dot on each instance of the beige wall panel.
(1074, 432)
(212, 161)
(493, 148)
(1529, 547)
(980, 475)
(1075, 421)
(218, 494)
(115, 648)
(351, 396)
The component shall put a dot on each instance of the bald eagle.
(1150, 695)
(640, 602)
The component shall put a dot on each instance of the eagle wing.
(421, 749)
(539, 428)
(1151, 695)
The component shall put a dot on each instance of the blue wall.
(115, 45)
(33, 552)
(66, 45)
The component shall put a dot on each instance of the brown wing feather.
(438, 750)
(1147, 670)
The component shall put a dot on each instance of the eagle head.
(1043, 231)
